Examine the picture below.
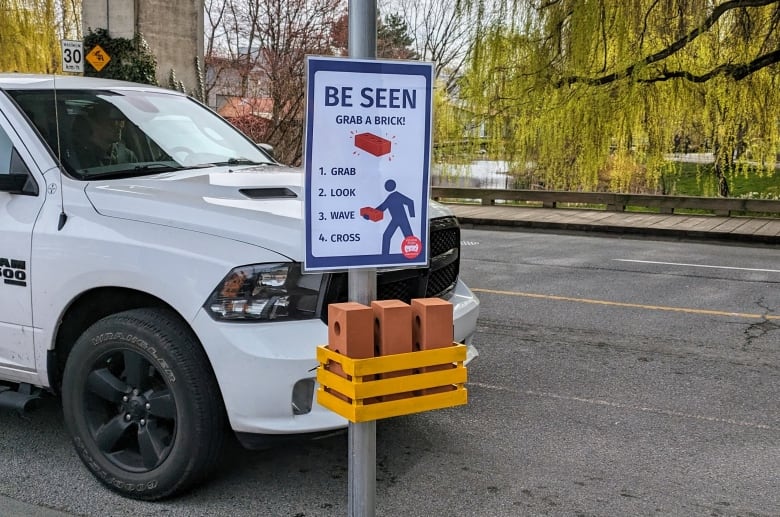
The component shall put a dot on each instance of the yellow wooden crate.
(363, 391)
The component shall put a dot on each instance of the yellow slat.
(391, 386)
(395, 362)
(380, 410)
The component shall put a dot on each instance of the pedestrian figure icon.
(398, 206)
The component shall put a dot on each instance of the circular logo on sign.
(411, 247)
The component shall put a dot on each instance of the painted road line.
(685, 310)
(699, 265)
(617, 405)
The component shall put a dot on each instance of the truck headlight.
(265, 292)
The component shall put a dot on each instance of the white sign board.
(367, 159)
(72, 56)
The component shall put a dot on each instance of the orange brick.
(393, 334)
(350, 333)
(392, 327)
(432, 328)
(351, 329)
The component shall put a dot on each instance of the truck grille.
(437, 280)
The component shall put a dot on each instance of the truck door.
(20, 202)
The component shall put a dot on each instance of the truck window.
(128, 132)
(10, 161)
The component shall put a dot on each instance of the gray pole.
(362, 29)
(362, 289)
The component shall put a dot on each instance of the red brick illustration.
(370, 213)
(372, 143)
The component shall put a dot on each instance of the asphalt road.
(615, 377)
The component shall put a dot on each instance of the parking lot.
(615, 377)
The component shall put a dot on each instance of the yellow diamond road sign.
(98, 58)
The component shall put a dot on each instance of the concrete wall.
(118, 18)
(172, 28)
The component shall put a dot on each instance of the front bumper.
(259, 365)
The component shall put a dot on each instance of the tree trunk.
(722, 164)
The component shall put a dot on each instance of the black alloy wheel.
(130, 411)
(142, 404)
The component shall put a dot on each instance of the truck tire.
(142, 405)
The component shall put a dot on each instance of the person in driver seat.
(98, 137)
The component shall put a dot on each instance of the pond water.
(478, 174)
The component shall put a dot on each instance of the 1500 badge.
(13, 271)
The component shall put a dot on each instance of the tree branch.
(716, 14)
(736, 72)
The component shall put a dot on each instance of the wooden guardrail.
(611, 201)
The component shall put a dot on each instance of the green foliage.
(594, 95)
(28, 36)
(175, 84)
(393, 39)
(200, 86)
(172, 82)
(131, 59)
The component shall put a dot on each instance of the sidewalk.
(680, 226)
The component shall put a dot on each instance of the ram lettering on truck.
(13, 272)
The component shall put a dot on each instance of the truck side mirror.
(15, 183)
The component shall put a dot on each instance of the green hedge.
(131, 59)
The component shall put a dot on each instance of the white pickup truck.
(150, 267)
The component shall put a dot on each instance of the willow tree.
(69, 19)
(586, 95)
(28, 36)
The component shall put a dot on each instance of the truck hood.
(259, 205)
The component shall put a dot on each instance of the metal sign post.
(361, 486)
(367, 186)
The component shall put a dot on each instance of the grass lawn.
(698, 180)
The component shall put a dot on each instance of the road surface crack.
(759, 330)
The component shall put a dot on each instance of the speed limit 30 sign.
(72, 56)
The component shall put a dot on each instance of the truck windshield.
(125, 133)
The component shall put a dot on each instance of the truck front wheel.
(142, 405)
